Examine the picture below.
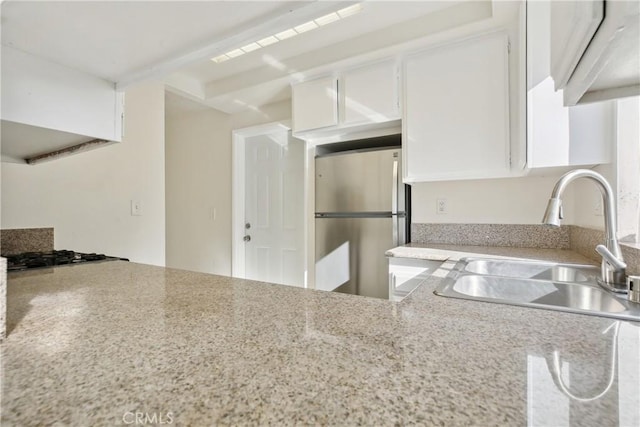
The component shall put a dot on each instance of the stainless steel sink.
(563, 287)
(533, 270)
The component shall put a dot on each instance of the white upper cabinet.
(315, 104)
(370, 94)
(356, 98)
(595, 49)
(573, 24)
(44, 94)
(47, 107)
(456, 111)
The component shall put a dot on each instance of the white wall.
(86, 197)
(198, 180)
(278, 111)
(628, 130)
(491, 201)
(623, 174)
(523, 200)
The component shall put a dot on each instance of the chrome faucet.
(613, 277)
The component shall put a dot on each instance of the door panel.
(274, 209)
(350, 255)
(356, 182)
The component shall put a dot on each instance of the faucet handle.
(617, 263)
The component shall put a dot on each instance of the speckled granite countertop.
(102, 344)
(442, 252)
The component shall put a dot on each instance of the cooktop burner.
(28, 260)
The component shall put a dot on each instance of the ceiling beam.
(297, 13)
(371, 46)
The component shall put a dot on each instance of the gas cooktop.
(30, 260)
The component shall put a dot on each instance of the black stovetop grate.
(28, 260)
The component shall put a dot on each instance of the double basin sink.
(553, 286)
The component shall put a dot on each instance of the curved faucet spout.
(613, 273)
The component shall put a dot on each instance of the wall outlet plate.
(441, 206)
(136, 208)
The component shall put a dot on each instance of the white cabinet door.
(456, 112)
(595, 49)
(370, 94)
(315, 104)
(573, 24)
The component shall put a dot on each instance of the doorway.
(268, 240)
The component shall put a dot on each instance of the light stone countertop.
(443, 252)
(97, 344)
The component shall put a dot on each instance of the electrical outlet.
(441, 206)
(136, 208)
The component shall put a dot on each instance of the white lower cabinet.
(405, 274)
(456, 111)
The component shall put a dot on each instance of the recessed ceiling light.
(327, 19)
(267, 41)
(351, 10)
(307, 26)
(286, 34)
(221, 58)
(235, 53)
(251, 47)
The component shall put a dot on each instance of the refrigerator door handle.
(394, 188)
(394, 201)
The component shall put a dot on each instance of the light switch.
(136, 208)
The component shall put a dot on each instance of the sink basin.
(524, 291)
(564, 287)
(533, 270)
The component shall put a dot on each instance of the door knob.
(247, 238)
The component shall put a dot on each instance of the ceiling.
(133, 41)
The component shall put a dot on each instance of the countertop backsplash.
(580, 239)
(19, 240)
(584, 241)
(511, 235)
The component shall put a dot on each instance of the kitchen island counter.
(111, 343)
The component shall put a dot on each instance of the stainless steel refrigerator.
(360, 214)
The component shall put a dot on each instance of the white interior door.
(274, 208)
